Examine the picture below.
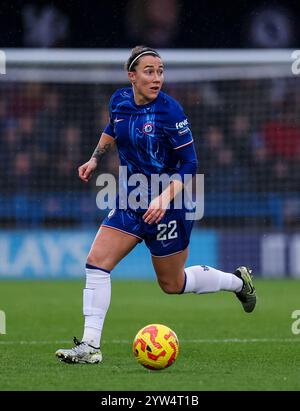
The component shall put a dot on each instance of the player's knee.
(97, 261)
(91, 259)
(170, 287)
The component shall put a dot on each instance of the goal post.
(106, 65)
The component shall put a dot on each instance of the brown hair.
(137, 52)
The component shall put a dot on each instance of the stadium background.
(246, 129)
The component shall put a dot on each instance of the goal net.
(244, 111)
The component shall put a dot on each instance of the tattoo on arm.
(100, 151)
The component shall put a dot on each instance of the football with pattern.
(156, 346)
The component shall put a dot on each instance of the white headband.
(141, 54)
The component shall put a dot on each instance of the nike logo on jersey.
(118, 119)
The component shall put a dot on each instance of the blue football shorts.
(170, 236)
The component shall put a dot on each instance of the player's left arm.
(179, 135)
(188, 167)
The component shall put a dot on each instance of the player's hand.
(85, 171)
(156, 210)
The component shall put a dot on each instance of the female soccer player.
(152, 136)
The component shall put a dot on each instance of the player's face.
(147, 79)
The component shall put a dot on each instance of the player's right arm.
(105, 144)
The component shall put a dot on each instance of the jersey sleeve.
(177, 127)
(109, 129)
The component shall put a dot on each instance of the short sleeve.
(109, 129)
(177, 127)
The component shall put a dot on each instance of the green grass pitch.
(221, 347)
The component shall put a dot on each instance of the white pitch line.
(200, 341)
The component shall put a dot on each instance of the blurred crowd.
(45, 133)
(250, 137)
(247, 134)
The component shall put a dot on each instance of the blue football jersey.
(148, 136)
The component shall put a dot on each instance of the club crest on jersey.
(148, 128)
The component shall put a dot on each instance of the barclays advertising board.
(62, 254)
